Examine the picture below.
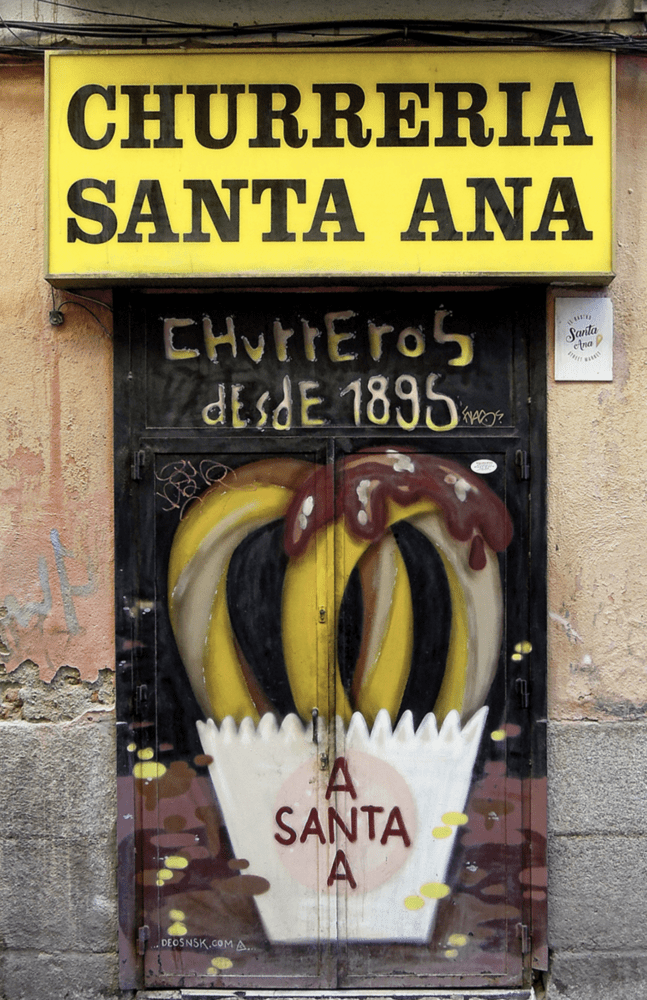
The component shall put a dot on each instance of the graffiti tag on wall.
(17, 617)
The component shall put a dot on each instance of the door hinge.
(521, 684)
(143, 935)
(524, 933)
(141, 700)
(137, 465)
(522, 464)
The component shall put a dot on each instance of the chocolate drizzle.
(359, 487)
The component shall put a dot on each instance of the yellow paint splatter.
(164, 874)
(434, 890)
(414, 903)
(177, 929)
(451, 953)
(150, 769)
(131, 747)
(146, 754)
(458, 940)
(454, 818)
(516, 657)
(524, 647)
(176, 861)
(440, 832)
(497, 735)
(221, 963)
(176, 914)
(159, 881)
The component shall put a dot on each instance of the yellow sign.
(308, 164)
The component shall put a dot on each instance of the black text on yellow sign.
(485, 172)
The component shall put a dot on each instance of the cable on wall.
(57, 316)
(347, 32)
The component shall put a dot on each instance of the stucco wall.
(597, 465)
(56, 600)
(597, 622)
(56, 440)
(57, 845)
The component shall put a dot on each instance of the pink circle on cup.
(383, 825)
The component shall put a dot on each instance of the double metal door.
(329, 602)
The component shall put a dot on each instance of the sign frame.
(478, 207)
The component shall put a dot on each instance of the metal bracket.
(141, 699)
(521, 685)
(522, 464)
(524, 933)
(143, 935)
(137, 465)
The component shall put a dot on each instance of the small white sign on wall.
(583, 339)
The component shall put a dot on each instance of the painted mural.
(329, 777)
(384, 821)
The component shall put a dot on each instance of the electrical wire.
(107, 13)
(97, 302)
(22, 41)
(72, 302)
(358, 32)
(81, 305)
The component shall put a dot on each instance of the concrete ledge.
(58, 779)
(58, 895)
(58, 886)
(35, 975)
(597, 893)
(598, 976)
(350, 994)
(597, 776)
(597, 864)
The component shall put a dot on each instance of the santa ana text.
(199, 211)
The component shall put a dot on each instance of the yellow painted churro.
(336, 519)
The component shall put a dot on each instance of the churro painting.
(262, 757)
(327, 775)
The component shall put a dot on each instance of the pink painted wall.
(56, 561)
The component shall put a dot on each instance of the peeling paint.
(24, 696)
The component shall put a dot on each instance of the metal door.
(330, 625)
